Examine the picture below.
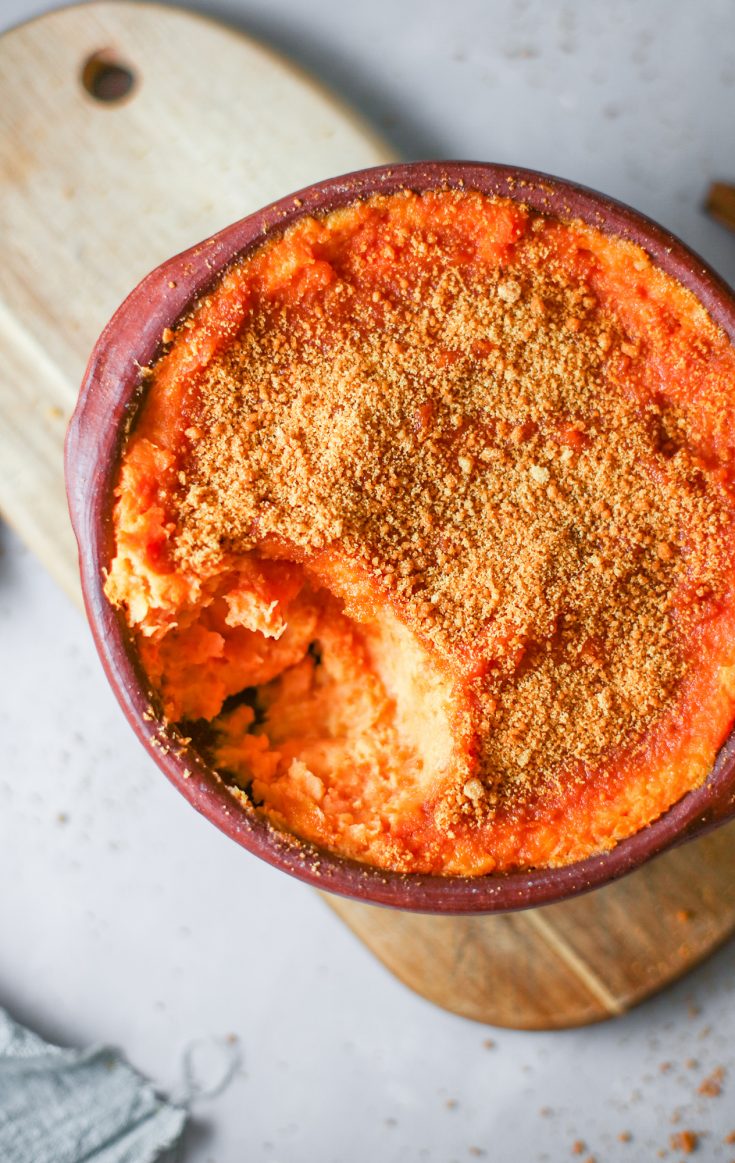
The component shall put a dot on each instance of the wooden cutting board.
(127, 133)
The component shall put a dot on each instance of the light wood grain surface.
(94, 195)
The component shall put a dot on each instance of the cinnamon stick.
(720, 203)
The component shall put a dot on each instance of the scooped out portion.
(426, 528)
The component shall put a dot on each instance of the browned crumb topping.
(466, 442)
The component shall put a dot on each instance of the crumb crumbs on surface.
(686, 1142)
(711, 1086)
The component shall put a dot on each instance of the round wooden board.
(97, 193)
(568, 964)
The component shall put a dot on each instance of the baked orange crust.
(427, 526)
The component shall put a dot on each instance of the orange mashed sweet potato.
(425, 532)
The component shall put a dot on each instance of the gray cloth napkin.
(70, 1106)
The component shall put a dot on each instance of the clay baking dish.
(106, 405)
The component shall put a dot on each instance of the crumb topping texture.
(429, 515)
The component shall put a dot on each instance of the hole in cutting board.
(106, 78)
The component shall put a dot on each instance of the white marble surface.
(126, 918)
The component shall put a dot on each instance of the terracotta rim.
(106, 406)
